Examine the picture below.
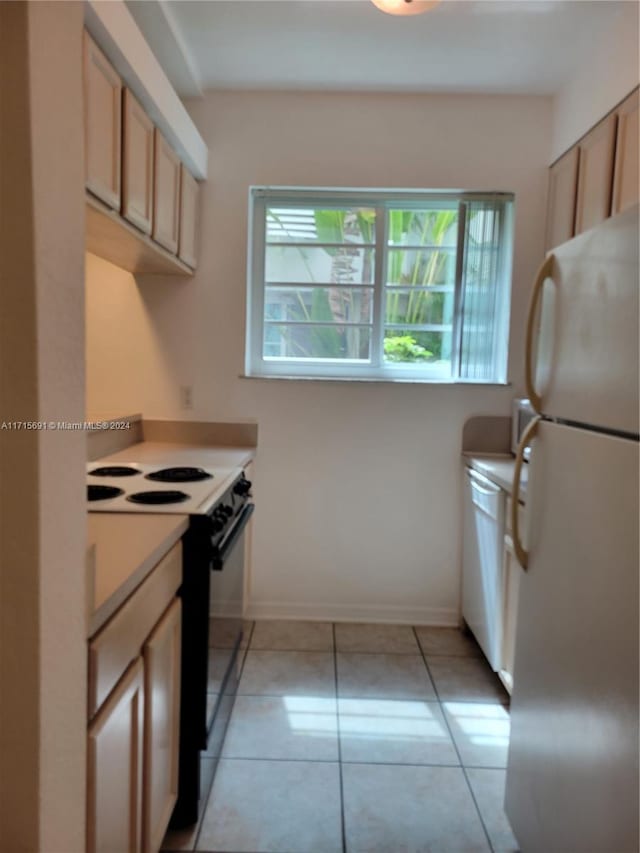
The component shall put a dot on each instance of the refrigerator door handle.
(543, 273)
(522, 556)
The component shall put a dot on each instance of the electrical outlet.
(186, 396)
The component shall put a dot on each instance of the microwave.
(522, 412)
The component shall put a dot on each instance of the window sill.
(377, 380)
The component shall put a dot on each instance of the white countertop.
(123, 549)
(168, 453)
(499, 469)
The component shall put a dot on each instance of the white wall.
(597, 87)
(129, 360)
(358, 484)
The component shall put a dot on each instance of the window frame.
(261, 197)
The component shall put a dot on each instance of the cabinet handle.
(477, 487)
(530, 432)
(543, 273)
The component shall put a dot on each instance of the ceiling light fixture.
(405, 7)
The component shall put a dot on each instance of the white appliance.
(484, 527)
(572, 778)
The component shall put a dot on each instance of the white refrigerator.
(572, 777)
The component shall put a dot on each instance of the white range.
(147, 487)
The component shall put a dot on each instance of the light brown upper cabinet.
(188, 218)
(137, 164)
(102, 109)
(625, 173)
(595, 171)
(166, 195)
(135, 191)
(561, 205)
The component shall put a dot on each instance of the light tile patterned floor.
(360, 739)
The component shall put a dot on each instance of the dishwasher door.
(483, 542)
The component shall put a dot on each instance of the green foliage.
(404, 348)
(330, 226)
(424, 264)
(366, 223)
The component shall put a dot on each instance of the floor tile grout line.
(307, 695)
(249, 641)
(455, 746)
(359, 761)
(424, 661)
(351, 761)
(407, 698)
(340, 779)
(293, 760)
(414, 653)
(327, 650)
(419, 652)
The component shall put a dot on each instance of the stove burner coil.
(100, 493)
(167, 496)
(115, 471)
(179, 475)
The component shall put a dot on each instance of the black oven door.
(212, 601)
(226, 604)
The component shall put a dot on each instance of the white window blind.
(485, 291)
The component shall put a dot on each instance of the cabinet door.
(166, 200)
(625, 172)
(114, 760)
(188, 218)
(483, 540)
(102, 106)
(137, 164)
(595, 175)
(161, 726)
(561, 205)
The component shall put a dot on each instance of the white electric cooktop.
(201, 494)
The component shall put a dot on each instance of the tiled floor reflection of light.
(389, 719)
(311, 716)
(482, 724)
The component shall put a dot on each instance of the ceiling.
(492, 46)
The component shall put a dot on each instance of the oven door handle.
(222, 551)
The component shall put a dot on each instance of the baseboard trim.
(326, 612)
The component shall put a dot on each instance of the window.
(375, 284)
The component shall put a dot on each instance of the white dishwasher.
(484, 529)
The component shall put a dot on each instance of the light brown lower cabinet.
(134, 716)
(114, 761)
(161, 727)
